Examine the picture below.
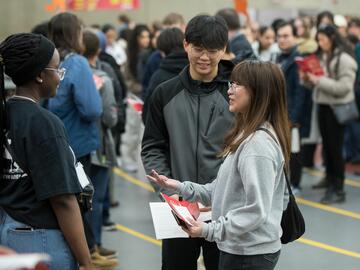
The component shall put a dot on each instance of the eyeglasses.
(199, 51)
(60, 72)
(233, 86)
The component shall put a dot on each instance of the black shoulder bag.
(292, 221)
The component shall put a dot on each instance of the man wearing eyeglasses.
(187, 120)
(298, 97)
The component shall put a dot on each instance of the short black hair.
(289, 23)
(354, 22)
(169, 40)
(107, 27)
(322, 15)
(41, 29)
(231, 18)
(275, 24)
(210, 32)
(91, 43)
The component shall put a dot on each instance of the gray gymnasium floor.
(331, 242)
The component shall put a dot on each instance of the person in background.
(238, 42)
(352, 134)
(131, 138)
(124, 24)
(297, 97)
(306, 43)
(77, 102)
(335, 87)
(170, 21)
(265, 47)
(139, 41)
(247, 196)
(39, 209)
(113, 47)
(341, 23)
(170, 44)
(324, 18)
(104, 159)
(108, 64)
(41, 29)
(309, 140)
(186, 121)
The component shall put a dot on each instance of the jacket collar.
(199, 87)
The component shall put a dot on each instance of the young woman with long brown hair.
(247, 197)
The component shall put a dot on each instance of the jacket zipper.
(210, 119)
(197, 141)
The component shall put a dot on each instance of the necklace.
(22, 97)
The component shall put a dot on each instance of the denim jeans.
(248, 262)
(23, 239)
(100, 179)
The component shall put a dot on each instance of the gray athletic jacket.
(186, 125)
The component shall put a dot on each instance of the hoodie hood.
(175, 62)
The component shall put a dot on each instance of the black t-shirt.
(40, 145)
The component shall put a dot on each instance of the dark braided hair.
(15, 51)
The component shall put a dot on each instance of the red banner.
(91, 5)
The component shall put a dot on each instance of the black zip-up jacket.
(185, 127)
(170, 67)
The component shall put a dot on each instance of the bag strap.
(286, 176)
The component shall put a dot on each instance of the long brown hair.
(266, 85)
(65, 31)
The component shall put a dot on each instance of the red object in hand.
(310, 64)
(193, 209)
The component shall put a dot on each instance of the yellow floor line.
(133, 180)
(301, 240)
(329, 248)
(328, 208)
(317, 173)
(138, 234)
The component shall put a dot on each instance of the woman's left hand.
(195, 230)
(313, 78)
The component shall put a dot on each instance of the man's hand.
(163, 181)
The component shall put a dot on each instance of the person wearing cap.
(39, 211)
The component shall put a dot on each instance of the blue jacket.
(298, 97)
(152, 65)
(78, 104)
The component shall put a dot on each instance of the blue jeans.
(23, 239)
(100, 179)
(229, 261)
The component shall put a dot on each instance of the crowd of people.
(209, 88)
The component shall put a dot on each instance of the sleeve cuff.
(205, 231)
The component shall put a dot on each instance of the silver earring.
(40, 81)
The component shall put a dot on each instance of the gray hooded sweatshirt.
(247, 198)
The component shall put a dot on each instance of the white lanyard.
(22, 97)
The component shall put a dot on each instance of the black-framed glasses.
(60, 71)
(199, 51)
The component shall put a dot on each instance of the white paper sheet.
(20, 261)
(165, 224)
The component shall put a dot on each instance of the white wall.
(22, 15)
